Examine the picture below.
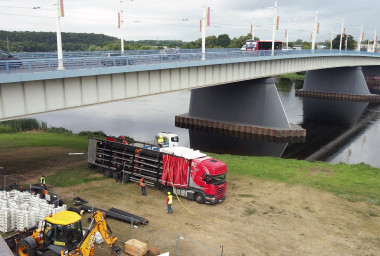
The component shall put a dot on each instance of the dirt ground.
(257, 218)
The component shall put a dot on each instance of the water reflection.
(324, 121)
(227, 144)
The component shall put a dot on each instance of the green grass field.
(358, 182)
(42, 139)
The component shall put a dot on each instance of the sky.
(179, 19)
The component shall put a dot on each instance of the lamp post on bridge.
(61, 13)
(341, 35)
(374, 41)
(316, 31)
(361, 37)
(121, 23)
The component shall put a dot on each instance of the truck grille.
(220, 191)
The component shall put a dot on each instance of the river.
(337, 131)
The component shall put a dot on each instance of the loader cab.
(62, 231)
(170, 139)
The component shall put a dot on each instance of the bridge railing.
(90, 62)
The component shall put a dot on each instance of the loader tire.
(24, 248)
(51, 253)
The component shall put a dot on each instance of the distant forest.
(15, 41)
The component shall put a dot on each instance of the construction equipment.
(184, 171)
(62, 235)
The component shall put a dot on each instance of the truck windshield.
(219, 179)
(175, 139)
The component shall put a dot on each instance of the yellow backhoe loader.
(61, 235)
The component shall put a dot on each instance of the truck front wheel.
(199, 198)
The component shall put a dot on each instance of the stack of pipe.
(121, 215)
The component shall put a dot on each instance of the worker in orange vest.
(142, 185)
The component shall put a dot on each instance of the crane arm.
(86, 248)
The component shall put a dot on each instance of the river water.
(344, 131)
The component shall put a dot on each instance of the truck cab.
(170, 139)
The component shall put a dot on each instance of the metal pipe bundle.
(141, 219)
(111, 215)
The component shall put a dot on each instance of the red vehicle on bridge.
(252, 45)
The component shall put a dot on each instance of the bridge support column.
(337, 83)
(246, 109)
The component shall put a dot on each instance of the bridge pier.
(248, 109)
(346, 83)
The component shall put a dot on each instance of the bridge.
(33, 86)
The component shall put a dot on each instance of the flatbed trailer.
(186, 172)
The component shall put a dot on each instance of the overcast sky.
(179, 19)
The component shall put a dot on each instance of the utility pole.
(253, 30)
(121, 27)
(374, 42)
(341, 35)
(274, 26)
(360, 38)
(60, 13)
(204, 33)
(287, 36)
(315, 31)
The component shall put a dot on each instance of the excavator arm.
(86, 247)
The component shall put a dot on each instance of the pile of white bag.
(19, 210)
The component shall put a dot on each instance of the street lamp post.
(341, 35)
(59, 38)
(274, 26)
(121, 26)
(315, 31)
(360, 38)
(204, 33)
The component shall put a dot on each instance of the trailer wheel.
(126, 178)
(24, 248)
(167, 189)
(199, 198)
(107, 172)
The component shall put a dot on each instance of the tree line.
(26, 41)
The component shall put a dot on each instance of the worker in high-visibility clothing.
(142, 185)
(160, 141)
(43, 181)
(169, 202)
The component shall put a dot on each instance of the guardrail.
(48, 55)
(52, 64)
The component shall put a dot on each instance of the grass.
(359, 182)
(73, 176)
(293, 76)
(43, 139)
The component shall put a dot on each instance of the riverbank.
(273, 207)
(357, 182)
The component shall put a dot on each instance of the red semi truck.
(186, 172)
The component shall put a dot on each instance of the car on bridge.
(116, 59)
(7, 59)
(169, 54)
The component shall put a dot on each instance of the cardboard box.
(135, 247)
